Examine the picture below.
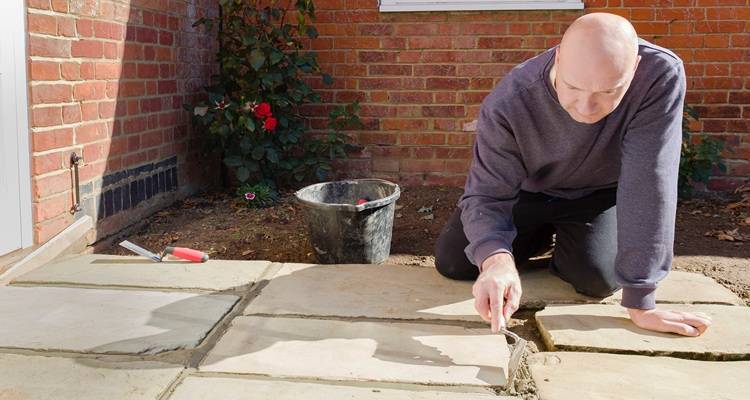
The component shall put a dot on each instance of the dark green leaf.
(242, 174)
(258, 153)
(250, 124)
(246, 144)
(257, 59)
(272, 155)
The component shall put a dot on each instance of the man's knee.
(591, 277)
(451, 262)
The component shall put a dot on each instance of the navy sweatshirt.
(526, 140)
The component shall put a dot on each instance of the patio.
(103, 326)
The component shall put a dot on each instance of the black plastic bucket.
(343, 232)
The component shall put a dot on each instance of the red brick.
(377, 56)
(93, 152)
(108, 30)
(66, 27)
(87, 48)
(719, 26)
(47, 185)
(47, 230)
(47, 116)
(107, 70)
(443, 111)
(71, 114)
(70, 71)
(430, 43)
(447, 83)
(52, 93)
(48, 47)
(390, 69)
(44, 70)
(422, 138)
(508, 42)
(52, 207)
(721, 54)
(88, 71)
(48, 140)
(112, 51)
(85, 27)
(422, 165)
(89, 111)
(89, 91)
(60, 6)
(484, 29)
(44, 163)
(90, 132)
(39, 4)
(422, 153)
(107, 109)
(40, 23)
(166, 38)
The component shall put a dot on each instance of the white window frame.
(478, 5)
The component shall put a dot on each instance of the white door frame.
(13, 21)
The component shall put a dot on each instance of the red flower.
(263, 110)
(270, 124)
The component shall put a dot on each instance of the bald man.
(583, 142)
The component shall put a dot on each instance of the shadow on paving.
(409, 342)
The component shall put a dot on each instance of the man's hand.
(497, 291)
(679, 322)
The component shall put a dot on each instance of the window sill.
(477, 5)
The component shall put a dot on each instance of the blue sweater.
(526, 140)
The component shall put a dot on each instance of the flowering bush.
(251, 114)
(258, 195)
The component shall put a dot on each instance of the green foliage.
(696, 160)
(261, 61)
(258, 195)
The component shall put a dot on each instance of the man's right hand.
(497, 290)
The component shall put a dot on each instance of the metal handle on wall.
(75, 160)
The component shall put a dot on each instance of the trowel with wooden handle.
(517, 349)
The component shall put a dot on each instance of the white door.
(15, 194)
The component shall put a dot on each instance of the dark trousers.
(585, 243)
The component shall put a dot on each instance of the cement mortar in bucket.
(344, 232)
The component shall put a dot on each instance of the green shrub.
(251, 116)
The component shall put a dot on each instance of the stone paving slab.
(375, 291)
(43, 378)
(607, 328)
(103, 320)
(589, 376)
(377, 351)
(220, 388)
(108, 270)
(399, 292)
(541, 288)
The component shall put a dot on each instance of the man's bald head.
(594, 65)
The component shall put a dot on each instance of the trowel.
(517, 349)
(179, 252)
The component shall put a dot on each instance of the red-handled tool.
(179, 252)
(187, 254)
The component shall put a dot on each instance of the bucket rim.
(351, 207)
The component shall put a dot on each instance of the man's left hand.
(679, 322)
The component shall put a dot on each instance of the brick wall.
(107, 81)
(422, 76)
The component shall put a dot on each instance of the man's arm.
(486, 213)
(647, 205)
(492, 187)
